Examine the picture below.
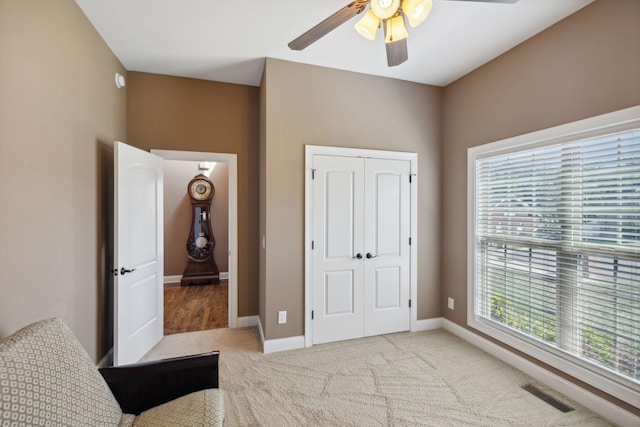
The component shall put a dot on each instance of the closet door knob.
(358, 256)
(369, 256)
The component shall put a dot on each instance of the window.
(554, 248)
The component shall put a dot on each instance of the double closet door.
(361, 255)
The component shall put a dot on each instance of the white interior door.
(387, 260)
(138, 299)
(361, 251)
(338, 271)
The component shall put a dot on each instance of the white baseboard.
(282, 344)
(172, 279)
(292, 343)
(595, 403)
(177, 278)
(248, 321)
(427, 324)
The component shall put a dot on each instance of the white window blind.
(557, 249)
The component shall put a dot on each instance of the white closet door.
(387, 219)
(338, 229)
(361, 220)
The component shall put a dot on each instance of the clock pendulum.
(201, 267)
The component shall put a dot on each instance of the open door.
(138, 258)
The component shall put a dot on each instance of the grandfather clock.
(201, 267)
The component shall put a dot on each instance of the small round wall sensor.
(120, 81)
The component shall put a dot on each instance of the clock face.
(201, 242)
(200, 189)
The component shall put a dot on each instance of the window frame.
(599, 377)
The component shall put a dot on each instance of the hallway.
(195, 308)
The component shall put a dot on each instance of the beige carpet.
(423, 378)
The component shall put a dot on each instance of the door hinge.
(313, 174)
(411, 175)
(312, 245)
(409, 303)
(409, 241)
(311, 314)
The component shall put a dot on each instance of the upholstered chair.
(47, 378)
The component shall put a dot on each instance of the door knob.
(358, 256)
(124, 270)
(369, 256)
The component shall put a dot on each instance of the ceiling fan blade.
(490, 1)
(329, 24)
(396, 52)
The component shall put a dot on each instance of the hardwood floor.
(195, 308)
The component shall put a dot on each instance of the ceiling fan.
(390, 14)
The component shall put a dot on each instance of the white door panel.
(387, 225)
(140, 316)
(339, 189)
(387, 208)
(142, 244)
(337, 289)
(339, 293)
(138, 258)
(387, 289)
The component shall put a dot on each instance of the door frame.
(232, 161)
(312, 150)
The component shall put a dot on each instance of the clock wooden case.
(201, 266)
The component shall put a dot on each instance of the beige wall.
(59, 115)
(177, 214)
(319, 106)
(220, 216)
(586, 65)
(173, 113)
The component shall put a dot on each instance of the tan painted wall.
(320, 106)
(177, 214)
(220, 216)
(586, 65)
(59, 115)
(173, 113)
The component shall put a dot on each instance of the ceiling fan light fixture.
(385, 9)
(368, 25)
(395, 29)
(416, 10)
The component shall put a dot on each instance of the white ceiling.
(227, 41)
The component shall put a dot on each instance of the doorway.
(230, 163)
